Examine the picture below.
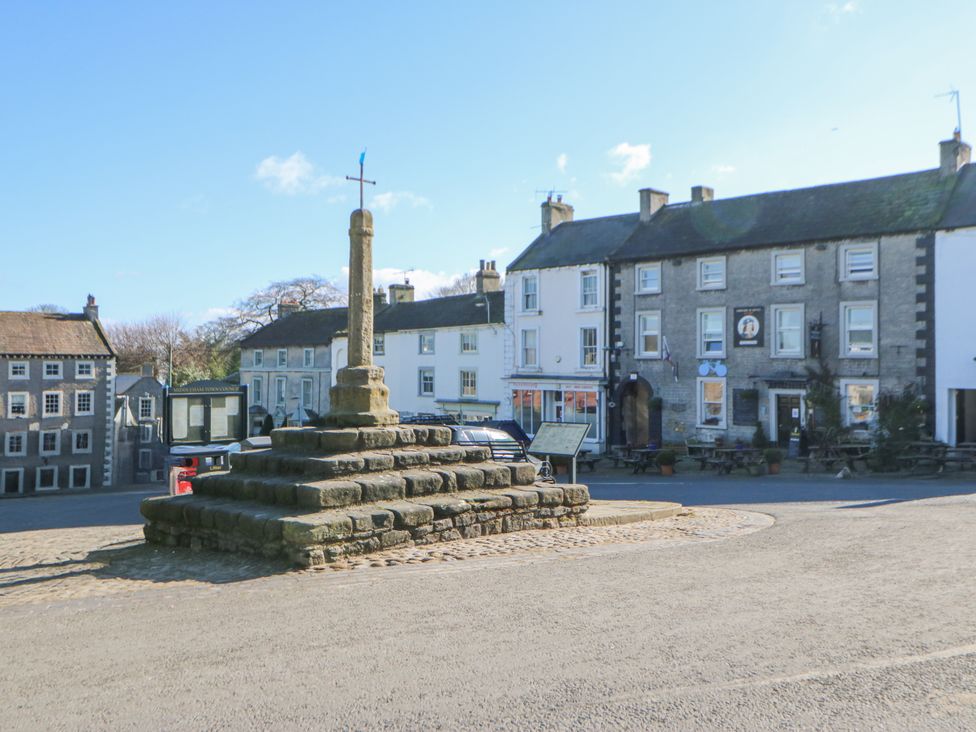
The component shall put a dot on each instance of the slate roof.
(441, 312)
(301, 328)
(315, 327)
(961, 210)
(576, 242)
(52, 334)
(875, 207)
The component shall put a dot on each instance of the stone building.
(287, 365)
(140, 453)
(443, 355)
(556, 311)
(723, 306)
(57, 394)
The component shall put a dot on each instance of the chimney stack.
(700, 194)
(91, 309)
(554, 213)
(650, 202)
(488, 279)
(953, 154)
(287, 307)
(148, 370)
(379, 297)
(401, 293)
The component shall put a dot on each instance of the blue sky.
(172, 157)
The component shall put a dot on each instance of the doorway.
(13, 481)
(640, 424)
(787, 413)
(965, 415)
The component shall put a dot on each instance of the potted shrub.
(665, 461)
(774, 459)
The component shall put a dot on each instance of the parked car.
(504, 448)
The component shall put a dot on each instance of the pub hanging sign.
(748, 326)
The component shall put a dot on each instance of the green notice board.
(558, 438)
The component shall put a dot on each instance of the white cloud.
(722, 169)
(632, 160)
(389, 200)
(561, 160)
(499, 251)
(292, 175)
(424, 281)
(839, 10)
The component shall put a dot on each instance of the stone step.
(309, 539)
(311, 494)
(335, 465)
(338, 441)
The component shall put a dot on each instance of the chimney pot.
(953, 154)
(651, 201)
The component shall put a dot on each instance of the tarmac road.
(841, 615)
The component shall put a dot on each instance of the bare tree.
(462, 285)
(261, 307)
(47, 308)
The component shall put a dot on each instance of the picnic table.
(924, 453)
(830, 455)
(726, 459)
(962, 454)
(700, 451)
(643, 458)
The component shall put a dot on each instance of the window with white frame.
(425, 343)
(17, 403)
(788, 267)
(527, 409)
(530, 348)
(649, 334)
(147, 407)
(858, 261)
(15, 444)
(11, 480)
(425, 382)
(711, 403)
(530, 293)
(257, 390)
(145, 460)
(469, 383)
(580, 407)
(282, 357)
(81, 441)
(711, 273)
(308, 358)
(307, 400)
(51, 401)
(84, 370)
(589, 350)
(469, 342)
(589, 289)
(79, 476)
(50, 442)
(18, 370)
(257, 358)
(649, 278)
(379, 344)
(84, 403)
(281, 389)
(860, 323)
(787, 331)
(859, 399)
(711, 333)
(46, 478)
(53, 369)
(145, 433)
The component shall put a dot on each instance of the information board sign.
(558, 438)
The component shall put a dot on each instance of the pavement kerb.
(617, 513)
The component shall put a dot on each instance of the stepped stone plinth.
(319, 495)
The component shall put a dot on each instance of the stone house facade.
(57, 394)
(140, 453)
(722, 307)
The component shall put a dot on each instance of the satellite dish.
(703, 369)
(721, 369)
